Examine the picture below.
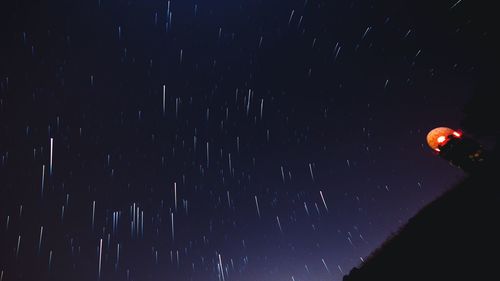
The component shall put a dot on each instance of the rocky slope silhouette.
(455, 237)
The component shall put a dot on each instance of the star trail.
(221, 140)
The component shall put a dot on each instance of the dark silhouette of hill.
(455, 237)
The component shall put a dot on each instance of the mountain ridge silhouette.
(454, 237)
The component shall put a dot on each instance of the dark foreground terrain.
(456, 237)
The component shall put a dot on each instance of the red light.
(437, 149)
(457, 134)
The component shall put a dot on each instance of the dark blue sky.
(200, 111)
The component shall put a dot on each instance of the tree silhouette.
(482, 111)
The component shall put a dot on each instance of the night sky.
(222, 140)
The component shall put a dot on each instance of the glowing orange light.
(457, 134)
(439, 136)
